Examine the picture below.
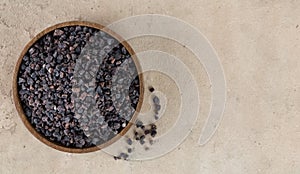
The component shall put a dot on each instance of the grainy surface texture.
(258, 45)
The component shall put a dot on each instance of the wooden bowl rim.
(19, 106)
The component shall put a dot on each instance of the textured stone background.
(258, 45)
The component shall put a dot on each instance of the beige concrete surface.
(258, 43)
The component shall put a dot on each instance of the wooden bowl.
(18, 102)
